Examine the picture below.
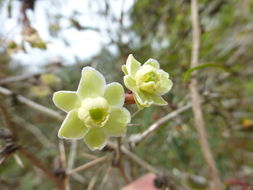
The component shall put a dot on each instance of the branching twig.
(72, 154)
(29, 156)
(134, 139)
(35, 131)
(63, 161)
(196, 105)
(32, 104)
(89, 156)
(7, 121)
(135, 158)
(88, 165)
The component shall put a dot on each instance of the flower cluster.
(95, 112)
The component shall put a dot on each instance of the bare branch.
(88, 165)
(35, 131)
(7, 121)
(47, 111)
(196, 105)
(134, 158)
(29, 156)
(63, 163)
(72, 154)
(89, 156)
(134, 139)
(18, 78)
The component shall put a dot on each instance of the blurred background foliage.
(161, 30)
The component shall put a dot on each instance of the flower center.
(97, 114)
(150, 77)
(147, 79)
(94, 112)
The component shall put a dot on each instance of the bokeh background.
(45, 44)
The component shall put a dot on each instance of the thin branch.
(106, 176)
(135, 113)
(19, 78)
(29, 156)
(88, 165)
(6, 119)
(62, 153)
(38, 107)
(72, 154)
(89, 156)
(35, 131)
(92, 182)
(196, 104)
(134, 139)
(135, 158)
(63, 163)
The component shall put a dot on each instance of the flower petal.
(130, 83)
(152, 62)
(117, 122)
(92, 84)
(72, 127)
(114, 94)
(158, 100)
(66, 100)
(95, 138)
(132, 65)
(124, 69)
(165, 85)
(142, 99)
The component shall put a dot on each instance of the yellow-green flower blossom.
(147, 82)
(94, 111)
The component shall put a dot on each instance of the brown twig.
(6, 119)
(196, 105)
(89, 156)
(118, 160)
(35, 131)
(88, 165)
(134, 139)
(63, 161)
(32, 104)
(49, 174)
(134, 158)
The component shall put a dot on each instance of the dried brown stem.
(196, 104)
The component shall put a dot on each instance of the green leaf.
(132, 65)
(66, 100)
(117, 122)
(187, 74)
(72, 127)
(95, 138)
(114, 94)
(92, 84)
